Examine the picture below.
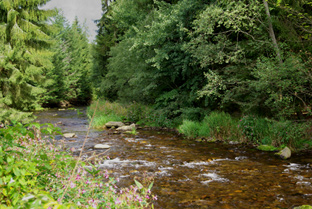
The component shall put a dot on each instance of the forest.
(190, 57)
(185, 58)
(45, 61)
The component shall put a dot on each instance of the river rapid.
(190, 174)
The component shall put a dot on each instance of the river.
(190, 174)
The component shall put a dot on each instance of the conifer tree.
(24, 57)
(78, 71)
(57, 87)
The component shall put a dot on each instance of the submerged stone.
(126, 128)
(70, 135)
(211, 140)
(102, 146)
(284, 153)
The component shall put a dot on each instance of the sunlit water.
(188, 174)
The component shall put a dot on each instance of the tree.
(24, 55)
(79, 65)
(57, 87)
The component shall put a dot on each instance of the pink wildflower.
(117, 202)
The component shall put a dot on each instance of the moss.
(304, 207)
(267, 148)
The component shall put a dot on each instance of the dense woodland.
(185, 58)
(190, 57)
(45, 61)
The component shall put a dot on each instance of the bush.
(255, 129)
(193, 129)
(105, 112)
(218, 125)
(222, 126)
(294, 135)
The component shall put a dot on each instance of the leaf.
(150, 186)
(16, 171)
(4, 192)
(44, 157)
(22, 181)
(139, 185)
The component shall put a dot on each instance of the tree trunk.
(271, 31)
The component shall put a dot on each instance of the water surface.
(188, 174)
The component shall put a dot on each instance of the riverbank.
(217, 126)
(36, 173)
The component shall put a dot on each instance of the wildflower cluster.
(47, 173)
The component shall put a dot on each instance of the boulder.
(114, 124)
(126, 128)
(284, 153)
(102, 146)
(70, 135)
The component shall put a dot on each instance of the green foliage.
(188, 58)
(254, 128)
(18, 175)
(285, 88)
(267, 148)
(34, 173)
(24, 57)
(294, 135)
(17, 178)
(43, 200)
(218, 125)
(70, 75)
(193, 129)
(105, 112)
(274, 135)
(304, 207)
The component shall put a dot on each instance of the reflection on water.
(195, 175)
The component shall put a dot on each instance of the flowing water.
(188, 174)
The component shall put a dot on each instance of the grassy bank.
(250, 129)
(34, 173)
(137, 113)
(215, 126)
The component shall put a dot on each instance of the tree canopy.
(188, 57)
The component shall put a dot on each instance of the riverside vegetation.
(215, 126)
(34, 174)
(231, 70)
(176, 60)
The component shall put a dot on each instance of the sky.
(85, 10)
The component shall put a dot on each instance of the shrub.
(222, 126)
(219, 125)
(192, 129)
(255, 129)
(294, 135)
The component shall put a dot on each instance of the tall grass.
(218, 125)
(107, 111)
(134, 112)
(252, 129)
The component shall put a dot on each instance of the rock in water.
(126, 128)
(114, 124)
(70, 135)
(102, 146)
(284, 153)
